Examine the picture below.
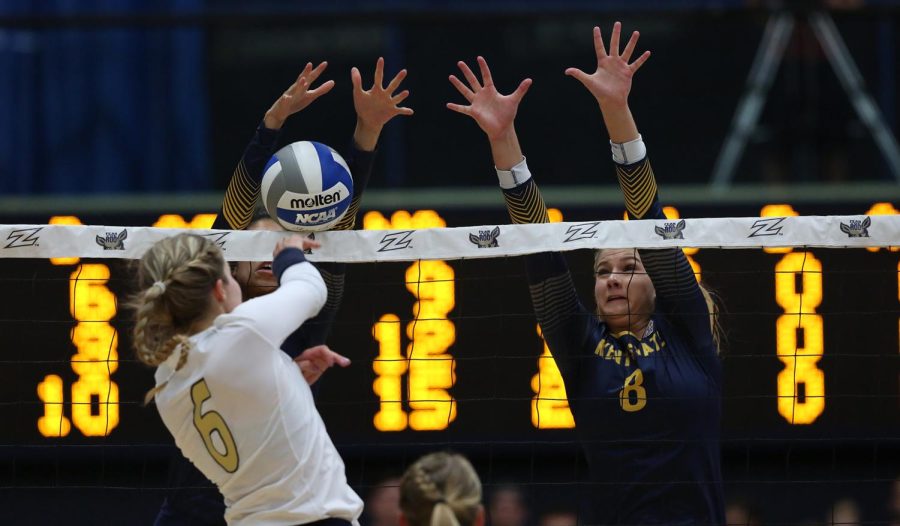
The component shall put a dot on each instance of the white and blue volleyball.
(307, 186)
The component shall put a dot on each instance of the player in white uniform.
(237, 406)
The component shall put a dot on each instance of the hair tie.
(159, 285)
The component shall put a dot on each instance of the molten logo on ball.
(305, 210)
(307, 186)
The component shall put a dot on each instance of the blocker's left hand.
(298, 96)
(313, 362)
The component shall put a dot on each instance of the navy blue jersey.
(193, 499)
(240, 202)
(647, 410)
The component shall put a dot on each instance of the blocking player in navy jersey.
(642, 373)
(192, 499)
(237, 406)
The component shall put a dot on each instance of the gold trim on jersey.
(609, 350)
(638, 186)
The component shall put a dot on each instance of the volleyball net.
(447, 354)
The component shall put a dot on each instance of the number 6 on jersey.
(211, 422)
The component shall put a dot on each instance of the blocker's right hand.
(298, 96)
(610, 84)
(294, 241)
(494, 112)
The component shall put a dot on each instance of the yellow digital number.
(50, 391)
(883, 209)
(390, 366)
(53, 423)
(550, 404)
(64, 220)
(95, 397)
(431, 334)
(429, 367)
(176, 221)
(777, 211)
(800, 372)
(93, 305)
(212, 422)
(633, 396)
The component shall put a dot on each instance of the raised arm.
(375, 107)
(564, 321)
(242, 193)
(678, 295)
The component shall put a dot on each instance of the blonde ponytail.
(175, 277)
(440, 489)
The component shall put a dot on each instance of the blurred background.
(120, 111)
(128, 97)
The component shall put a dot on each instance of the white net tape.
(45, 241)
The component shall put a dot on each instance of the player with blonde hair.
(238, 407)
(190, 499)
(441, 489)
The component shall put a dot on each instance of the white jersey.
(241, 411)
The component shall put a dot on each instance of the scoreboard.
(811, 342)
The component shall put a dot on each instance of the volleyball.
(306, 186)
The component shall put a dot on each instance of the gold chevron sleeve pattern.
(638, 186)
(240, 198)
(348, 222)
(525, 204)
(554, 301)
(335, 283)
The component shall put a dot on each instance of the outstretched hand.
(313, 362)
(377, 105)
(611, 83)
(494, 112)
(298, 96)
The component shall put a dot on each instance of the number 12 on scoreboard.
(430, 368)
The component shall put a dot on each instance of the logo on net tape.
(112, 240)
(582, 231)
(395, 241)
(671, 230)
(768, 226)
(486, 238)
(24, 237)
(312, 235)
(857, 227)
(218, 238)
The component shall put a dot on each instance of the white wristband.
(515, 176)
(629, 152)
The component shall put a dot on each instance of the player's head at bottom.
(441, 489)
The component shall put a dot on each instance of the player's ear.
(219, 291)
